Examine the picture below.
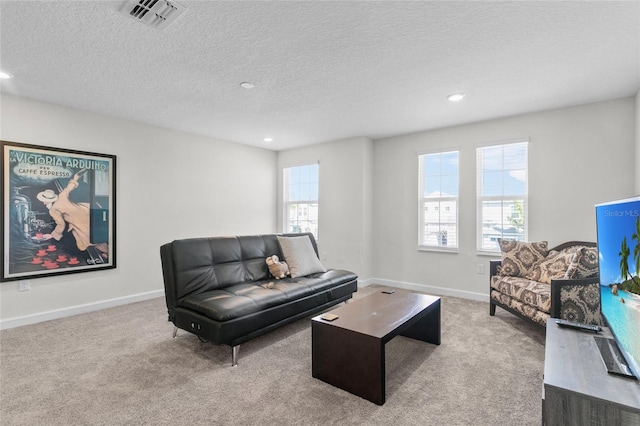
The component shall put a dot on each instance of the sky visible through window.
(441, 174)
(303, 183)
(504, 170)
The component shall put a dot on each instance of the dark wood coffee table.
(349, 352)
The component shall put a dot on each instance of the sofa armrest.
(576, 300)
(168, 274)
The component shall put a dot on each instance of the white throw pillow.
(300, 256)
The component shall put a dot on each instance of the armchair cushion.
(584, 263)
(555, 266)
(531, 292)
(520, 258)
(524, 310)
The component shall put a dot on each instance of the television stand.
(577, 388)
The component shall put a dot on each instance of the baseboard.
(112, 303)
(441, 291)
(365, 283)
(79, 309)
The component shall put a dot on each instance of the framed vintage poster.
(58, 211)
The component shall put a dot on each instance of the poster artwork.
(58, 211)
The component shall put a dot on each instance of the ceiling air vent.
(155, 13)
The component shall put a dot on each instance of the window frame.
(422, 200)
(480, 199)
(287, 203)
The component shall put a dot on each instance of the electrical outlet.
(480, 268)
(25, 285)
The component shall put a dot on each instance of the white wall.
(177, 185)
(638, 143)
(577, 157)
(170, 185)
(345, 198)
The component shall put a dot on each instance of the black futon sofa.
(220, 288)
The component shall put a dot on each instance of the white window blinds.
(438, 200)
(501, 194)
(300, 204)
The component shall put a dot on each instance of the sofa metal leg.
(492, 309)
(234, 355)
(175, 331)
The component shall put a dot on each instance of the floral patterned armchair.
(536, 284)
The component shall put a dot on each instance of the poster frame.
(36, 231)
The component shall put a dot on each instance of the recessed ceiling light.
(455, 97)
(247, 85)
(5, 75)
(268, 139)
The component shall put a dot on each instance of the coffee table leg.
(348, 360)
(426, 328)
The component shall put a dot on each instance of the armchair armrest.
(576, 300)
(493, 267)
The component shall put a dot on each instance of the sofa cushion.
(233, 301)
(532, 293)
(300, 256)
(203, 264)
(247, 298)
(519, 258)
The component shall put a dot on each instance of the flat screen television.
(618, 234)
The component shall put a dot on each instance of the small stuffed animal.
(278, 269)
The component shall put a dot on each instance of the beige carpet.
(121, 366)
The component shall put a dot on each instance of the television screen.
(618, 232)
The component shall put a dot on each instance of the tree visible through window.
(301, 199)
(502, 194)
(438, 200)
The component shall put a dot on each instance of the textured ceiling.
(323, 70)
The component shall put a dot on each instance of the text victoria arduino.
(47, 160)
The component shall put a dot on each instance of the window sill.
(453, 250)
(489, 253)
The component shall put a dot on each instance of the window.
(301, 199)
(438, 201)
(502, 194)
